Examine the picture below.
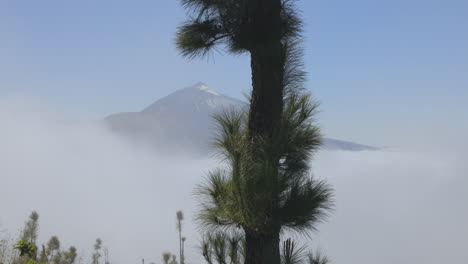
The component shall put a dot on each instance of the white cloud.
(86, 183)
(395, 208)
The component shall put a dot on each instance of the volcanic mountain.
(182, 122)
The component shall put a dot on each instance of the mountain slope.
(182, 121)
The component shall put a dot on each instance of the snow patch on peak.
(203, 87)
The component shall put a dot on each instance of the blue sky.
(385, 72)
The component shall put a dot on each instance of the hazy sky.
(386, 72)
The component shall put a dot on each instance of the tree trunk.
(266, 104)
(262, 248)
(180, 243)
(263, 30)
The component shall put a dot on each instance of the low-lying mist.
(85, 182)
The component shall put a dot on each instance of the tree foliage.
(227, 247)
(317, 258)
(230, 23)
(166, 257)
(50, 253)
(223, 248)
(97, 251)
(275, 190)
(291, 254)
(31, 228)
(26, 248)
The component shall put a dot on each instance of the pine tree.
(257, 27)
(244, 194)
(269, 31)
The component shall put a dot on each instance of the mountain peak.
(203, 87)
(184, 118)
(200, 85)
(195, 98)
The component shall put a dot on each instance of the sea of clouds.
(85, 182)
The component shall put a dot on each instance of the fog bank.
(391, 207)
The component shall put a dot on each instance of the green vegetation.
(166, 257)
(31, 228)
(266, 188)
(223, 247)
(25, 250)
(242, 196)
(229, 248)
